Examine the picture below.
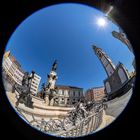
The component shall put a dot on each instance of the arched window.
(62, 92)
(107, 85)
(79, 93)
(69, 92)
(122, 75)
(73, 93)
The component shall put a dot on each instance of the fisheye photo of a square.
(69, 70)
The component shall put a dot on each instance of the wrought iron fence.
(58, 127)
(85, 126)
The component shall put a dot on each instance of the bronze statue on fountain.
(51, 92)
(42, 93)
(24, 90)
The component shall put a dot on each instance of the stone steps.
(40, 108)
(39, 112)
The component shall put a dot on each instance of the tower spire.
(105, 60)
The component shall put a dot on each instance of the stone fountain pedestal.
(40, 110)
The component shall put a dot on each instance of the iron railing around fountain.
(65, 127)
(85, 126)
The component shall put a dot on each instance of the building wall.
(18, 76)
(6, 54)
(95, 94)
(13, 71)
(117, 76)
(70, 95)
(117, 79)
(35, 84)
(6, 63)
(134, 64)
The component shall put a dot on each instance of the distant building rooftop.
(12, 58)
(96, 87)
(67, 87)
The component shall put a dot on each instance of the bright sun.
(101, 22)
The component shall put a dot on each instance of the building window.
(69, 92)
(79, 93)
(62, 92)
(108, 88)
(73, 93)
(122, 75)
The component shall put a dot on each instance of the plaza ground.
(117, 105)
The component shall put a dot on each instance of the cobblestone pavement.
(117, 105)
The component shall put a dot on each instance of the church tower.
(117, 75)
(105, 60)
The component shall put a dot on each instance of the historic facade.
(134, 65)
(117, 75)
(12, 69)
(13, 72)
(95, 94)
(35, 84)
(117, 79)
(69, 94)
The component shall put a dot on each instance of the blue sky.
(66, 32)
